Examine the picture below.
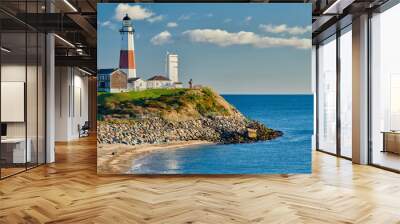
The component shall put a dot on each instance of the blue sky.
(234, 48)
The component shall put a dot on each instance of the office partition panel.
(22, 77)
(31, 96)
(15, 149)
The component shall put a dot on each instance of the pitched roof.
(133, 79)
(158, 78)
(109, 71)
(106, 70)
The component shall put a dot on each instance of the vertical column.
(50, 92)
(50, 99)
(360, 89)
(338, 77)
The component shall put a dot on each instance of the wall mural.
(189, 88)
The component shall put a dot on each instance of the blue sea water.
(292, 114)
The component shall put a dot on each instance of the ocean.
(289, 154)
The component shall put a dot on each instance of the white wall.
(61, 103)
(16, 73)
(154, 84)
(71, 102)
(11, 73)
(33, 126)
(80, 111)
(137, 85)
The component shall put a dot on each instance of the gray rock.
(229, 129)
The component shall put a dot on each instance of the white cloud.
(247, 19)
(224, 38)
(155, 19)
(162, 38)
(108, 24)
(283, 28)
(135, 12)
(172, 24)
(185, 16)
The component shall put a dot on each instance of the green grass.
(103, 98)
(156, 102)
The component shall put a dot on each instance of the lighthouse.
(172, 67)
(127, 52)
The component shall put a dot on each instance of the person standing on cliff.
(190, 83)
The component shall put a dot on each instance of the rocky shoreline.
(217, 129)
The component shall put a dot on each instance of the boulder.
(221, 129)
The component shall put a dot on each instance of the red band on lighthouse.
(127, 60)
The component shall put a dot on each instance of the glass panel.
(32, 88)
(31, 98)
(23, 88)
(385, 84)
(13, 87)
(327, 96)
(346, 93)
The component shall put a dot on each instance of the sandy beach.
(117, 158)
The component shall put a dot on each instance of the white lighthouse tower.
(127, 53)
(172, 67)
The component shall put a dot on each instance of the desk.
(13, 150)
(391, 141)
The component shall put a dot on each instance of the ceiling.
(75, 22)
(332, 15)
